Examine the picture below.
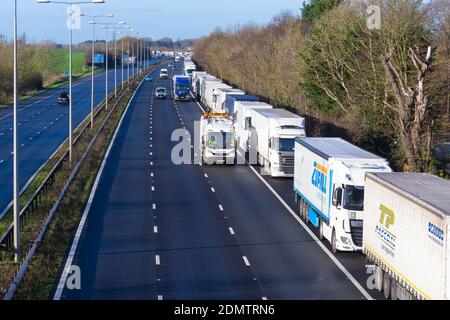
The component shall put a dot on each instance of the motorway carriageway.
(43, 126)
(154, 230)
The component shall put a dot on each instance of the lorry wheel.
(321, 237)
(333, 242)
(393, 290)
(379, 278)
(386, 285)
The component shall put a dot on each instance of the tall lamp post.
(107, 26)
(108, 15)
(16, 203)
(70, 4)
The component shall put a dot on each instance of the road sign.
(99, 58)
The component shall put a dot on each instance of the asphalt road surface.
(43, 125)
(156, 230)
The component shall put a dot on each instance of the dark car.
(63, 98)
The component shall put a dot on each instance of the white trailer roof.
(335, 148)
(277, 113)
(422, 188)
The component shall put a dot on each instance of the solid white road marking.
(247, 263)
(317, 240)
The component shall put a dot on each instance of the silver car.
(160, 93)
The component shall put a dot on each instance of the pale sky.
(154, 18)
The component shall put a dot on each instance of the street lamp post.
(16, 203)
(70, 4)
(93, 23)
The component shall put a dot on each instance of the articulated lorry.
(204, 82)
(329, 178)
(272, 140)
(243, 121)
(189, 68)
(406, 234)
(217, 139)
(181, 88)
(220, 96)
(210, 93)
(195, 82)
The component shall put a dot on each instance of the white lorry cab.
(189, 68)
(242, 116)
(272, 140)
(217, 139)
(220, 95)
(329, 179)
(196, 81)
(406, 234)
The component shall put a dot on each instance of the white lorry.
(406, 234)
(189, 68)
(204, 81)
(242, 115)
(195, 83)
(272, 135)
(329, 180)
(220, 95)
(217, 139)
(210, 93)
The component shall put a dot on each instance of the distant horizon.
(157, 20)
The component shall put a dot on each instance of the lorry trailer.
(229, 105)
(406, 234)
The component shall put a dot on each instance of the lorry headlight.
(346, 240)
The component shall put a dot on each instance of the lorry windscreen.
(283, 144)
(221, 140)
(353, 198)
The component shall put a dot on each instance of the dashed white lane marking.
(206, 175)
(154, 206)
(157, 260)
(160, 298)
(213, 190)
(151, 163)
(231, 231)
(247, 263)
(315, 238)
(1, 161)
(152, 174)
(153, 188)
(155, 229)
(151, 153)
(264, 298)
(220, 207)
(22, 145)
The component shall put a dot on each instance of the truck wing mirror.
(337, 197)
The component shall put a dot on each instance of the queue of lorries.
(400, 221)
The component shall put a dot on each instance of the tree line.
(380, 74)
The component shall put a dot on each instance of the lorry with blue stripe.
(329, 177)
(181, 87)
